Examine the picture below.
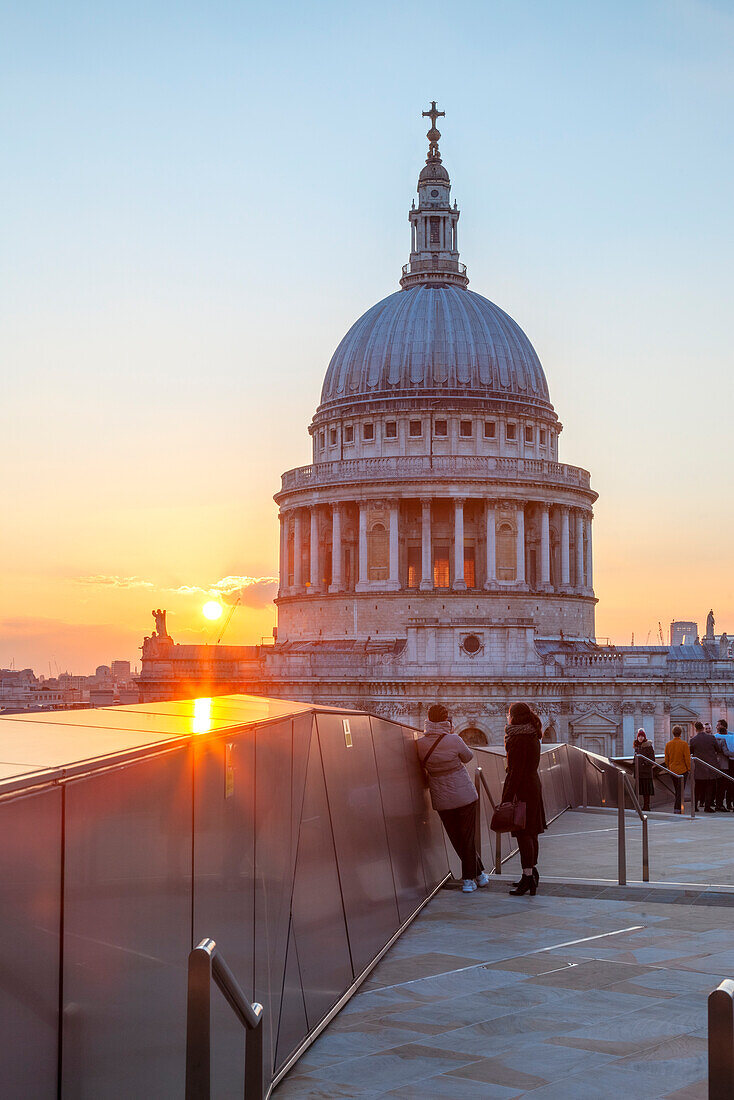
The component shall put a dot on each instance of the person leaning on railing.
(678, 760)
(443, 754)
(523, 734)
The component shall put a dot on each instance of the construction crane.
(228, 620)
(660, 632)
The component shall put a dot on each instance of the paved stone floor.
(584, 845)
(556, 997)
(583, 991)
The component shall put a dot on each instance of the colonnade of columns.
(569, 519)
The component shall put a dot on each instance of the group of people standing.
(443, 755)
(714, 790)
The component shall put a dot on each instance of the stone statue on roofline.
(710, 626)
(160, 623)
(724, 645)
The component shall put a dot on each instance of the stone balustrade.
(417, 467)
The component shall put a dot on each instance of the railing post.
(637, 774)
(621, 839)
(645, 851)
(498, 853)
(198, 1023)
(693, 786)
(254, 1059)
(584, 784)
(721, 1041)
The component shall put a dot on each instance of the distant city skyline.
(198, 205)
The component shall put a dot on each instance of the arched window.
(377, 553)
(506, 557)
(474, 736)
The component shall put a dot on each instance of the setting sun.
(211, 610)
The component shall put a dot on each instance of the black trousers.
(705, 791)
(460, 825)
(527, 844)
(680, 785)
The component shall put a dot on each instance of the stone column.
(545, 571)
(579, 551)
(426, 584)
(297, 551)
(363, 582)
(491, 578)
(520, 543)
(565, 549)
(283, 585)
(628, 728)
(337, 551)
(315, 548)
(459, 582)
(393, 583)
(589, 569)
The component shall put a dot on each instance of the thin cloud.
(255, 592)
(116, 582)
(249, 591)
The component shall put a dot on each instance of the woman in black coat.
(523, 734)
(646, 753)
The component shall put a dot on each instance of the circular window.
(471, 644)
(434, 193)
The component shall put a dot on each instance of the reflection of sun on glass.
(211, 610)
(202, 715)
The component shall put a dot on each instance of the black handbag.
(509, 817)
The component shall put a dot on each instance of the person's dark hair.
(722, 724)
(677, 731)
(698, 726)
(438, 713)
(523, 715)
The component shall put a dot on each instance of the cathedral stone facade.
(436, 547)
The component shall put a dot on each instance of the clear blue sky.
(198, 200)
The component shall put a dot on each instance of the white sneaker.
(483, 879)
(469, 885)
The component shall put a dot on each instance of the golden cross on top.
(433, 114)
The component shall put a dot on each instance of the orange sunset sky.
(198, 205)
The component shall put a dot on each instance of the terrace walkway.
(584, 991)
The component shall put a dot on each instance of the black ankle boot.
(527, 883)
(535, 875)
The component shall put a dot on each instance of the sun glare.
(212, 610)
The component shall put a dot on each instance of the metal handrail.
(643, 818)
(662, 767)
(480, 781)
(584, 783)
(624, 787)
(205, 963)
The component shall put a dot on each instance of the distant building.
(121, 671)
(682, 633)
(437, 548)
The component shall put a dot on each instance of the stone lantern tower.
(435, 495)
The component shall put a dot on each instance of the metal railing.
(721, 1041)
(623, 783)
(624, 790)
(678, 780)
(585, 782)
(206, 963)
(481, 784)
